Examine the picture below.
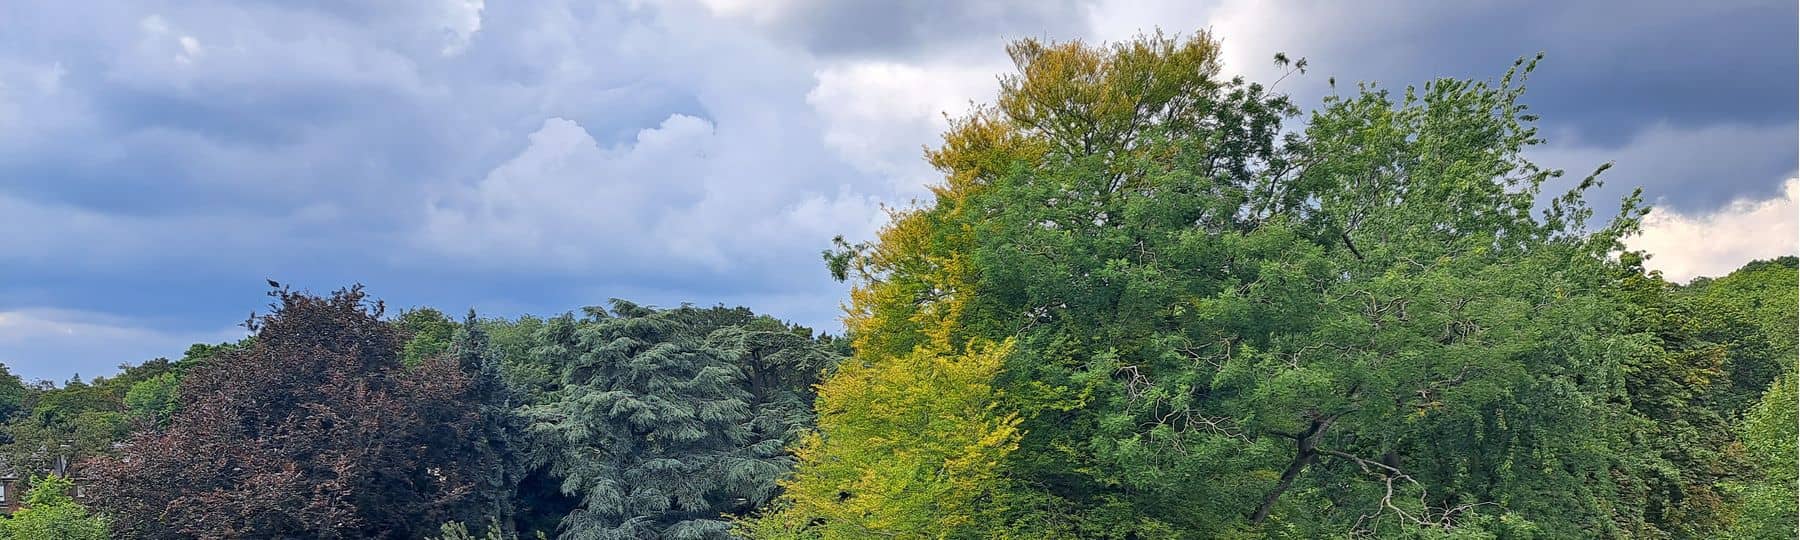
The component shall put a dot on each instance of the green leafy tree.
(1696, 364)
(1769, 507)
(81, 420)
(940, 476)
(430, 333)
(1766, 292)
(201, 353)
(50, 513)
(153, 400)
(12, 393)
(68, 424)
(1367, 327)
(511, 341)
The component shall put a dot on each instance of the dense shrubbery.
(1137, 307)
(50, 513)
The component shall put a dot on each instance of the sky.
(160, 159)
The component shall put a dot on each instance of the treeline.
(334, 421)
(1140, 306)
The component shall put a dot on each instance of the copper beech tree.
(316, 430)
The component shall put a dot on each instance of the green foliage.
(67, 424)
(430, 333)
(511, 341)
(1368, 327)
(666, 420)
(317, 429)
(154, 399)
(1693, 367)
(200, 354)
(80, 420)
(456, 530)
(51, 514)
(1139, 306)
(12, 393)
(1769, 502)
(1765, 291)
(498, 430)
(866, 483)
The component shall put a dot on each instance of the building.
(12, 492)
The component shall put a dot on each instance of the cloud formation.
(1686, 246)
(165, 157)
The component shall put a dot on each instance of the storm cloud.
(158, 160)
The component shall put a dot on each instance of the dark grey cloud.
(539, 156)
(1612, 68)
(1687, 170)
(878, 29)
(1696, 100)
(169, 156)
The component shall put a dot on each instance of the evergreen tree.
(498, 432)
(543, 498)
(655, 426)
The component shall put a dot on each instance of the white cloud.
(45, 343)
(671, 196)
(569, 201)
(190, 49)
(253, 50)
(463, 20)
(622, 142)
(1115, 20)
(154, 25)
(761, 12)
(738, 183)
(159, 36)
(1684, 246)
(880, 116)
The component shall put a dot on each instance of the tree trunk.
(1306, 446)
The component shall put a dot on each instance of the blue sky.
(159, 160)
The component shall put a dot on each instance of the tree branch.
(1351, 245)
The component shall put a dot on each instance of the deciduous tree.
(316, 429)
(49, 513)
(1368, 326)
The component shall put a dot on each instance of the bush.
(50, 514)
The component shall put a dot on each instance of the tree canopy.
(1208, 326)
(50, 513)
(315, 429)
(666, 420)
(1147, 301)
